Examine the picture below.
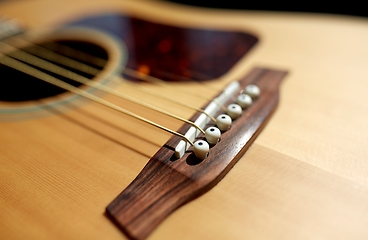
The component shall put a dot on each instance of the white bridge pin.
(213, 135)
(234, 111)
(223, 122)
(244, 100)
(252, 90)
(201, 149)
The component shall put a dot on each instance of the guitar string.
(174, 76)
(22, 67)
(66, 61)
(130, 72)
(160, 82)
(86, 57)
(83, 56)
(179, 77)
(38, 62)
(153, 93)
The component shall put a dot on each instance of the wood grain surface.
(304, 177)
(167, 183)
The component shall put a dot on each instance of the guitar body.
(304, 177)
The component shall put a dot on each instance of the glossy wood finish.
(166, 183)
(167, 52)
(303, 178)
(174, 53)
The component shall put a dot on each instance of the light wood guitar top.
(305, 176)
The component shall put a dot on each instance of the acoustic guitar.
(292, 166)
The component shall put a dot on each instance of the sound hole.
(17, 86)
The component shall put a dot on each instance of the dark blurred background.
(354, 8)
